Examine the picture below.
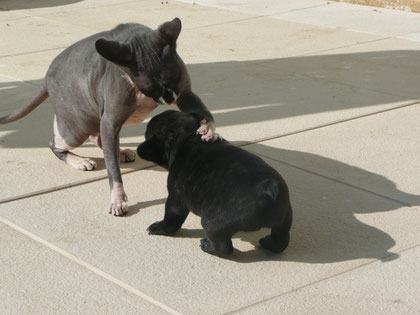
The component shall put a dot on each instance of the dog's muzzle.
(169, 96)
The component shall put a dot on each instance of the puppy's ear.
(169, 31)
(152, 150)
(117, 52)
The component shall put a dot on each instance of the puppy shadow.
(256, 254)
(333, 203)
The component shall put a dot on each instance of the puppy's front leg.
(110, 136)
(175, 215)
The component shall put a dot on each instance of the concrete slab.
(262, 38)
(148, 12)
(6, 16)
(10, 97)
(356, 18)
(377, 153)
(329, 14)
(28, 165)
(37, 280)
(262, 7)
(377, 288)
(388, 72)
(29, 67)
(259, 102)
(175, 270)
(31, 33)
(252, 101)
(40, 7)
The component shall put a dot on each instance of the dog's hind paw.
(275, 247)
(207, 246)
(127, 156)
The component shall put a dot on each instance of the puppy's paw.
(127, 156)
(206, 130)
(160, 228)
(207, 246)
(269, 244)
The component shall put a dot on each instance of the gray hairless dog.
(112, 79)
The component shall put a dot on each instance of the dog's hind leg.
(61, 149)
(175, 215)
(279, 238)
(218, 240)
(126, 155)
(217, 245)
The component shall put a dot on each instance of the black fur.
(229, 188)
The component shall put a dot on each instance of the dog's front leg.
(175, 214)
(190, 102)
(110, 136)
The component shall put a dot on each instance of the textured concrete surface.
(325, 92)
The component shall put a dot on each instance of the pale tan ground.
(327, 93)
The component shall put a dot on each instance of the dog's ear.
(116, 52)
(152, 150)
(169, 31)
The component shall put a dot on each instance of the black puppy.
(229, 188)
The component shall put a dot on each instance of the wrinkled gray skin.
(112, 79)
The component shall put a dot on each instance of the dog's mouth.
(169, 97)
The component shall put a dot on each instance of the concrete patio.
(326, 92)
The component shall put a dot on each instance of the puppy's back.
(220, 177)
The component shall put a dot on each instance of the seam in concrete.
(18, 80)
(350, 45)
(385, 258)
(330, 124)
(90, 267)
(227, 22)
(66, 186)
(95, 179)
(17, 11)
(34, 51)
(265, 65)
(337, 181)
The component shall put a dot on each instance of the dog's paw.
(269, 244)
(81, 163)
(118, 206)
(160, 228)
(206, 130)
(207, 246)
(86, 164)
(127, 156)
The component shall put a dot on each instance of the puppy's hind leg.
(218, 240)
(279, 238)
(175, 215)
(217, 245)
(61, 149)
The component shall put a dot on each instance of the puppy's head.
(164, 133)
(151, 61)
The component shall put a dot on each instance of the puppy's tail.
(268, 187)
(29, 107)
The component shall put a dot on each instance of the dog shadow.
(135, 209)
(326, 227)
(7, 5)
(240, 92)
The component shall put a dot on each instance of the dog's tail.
(268, 187)
(29, 107)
